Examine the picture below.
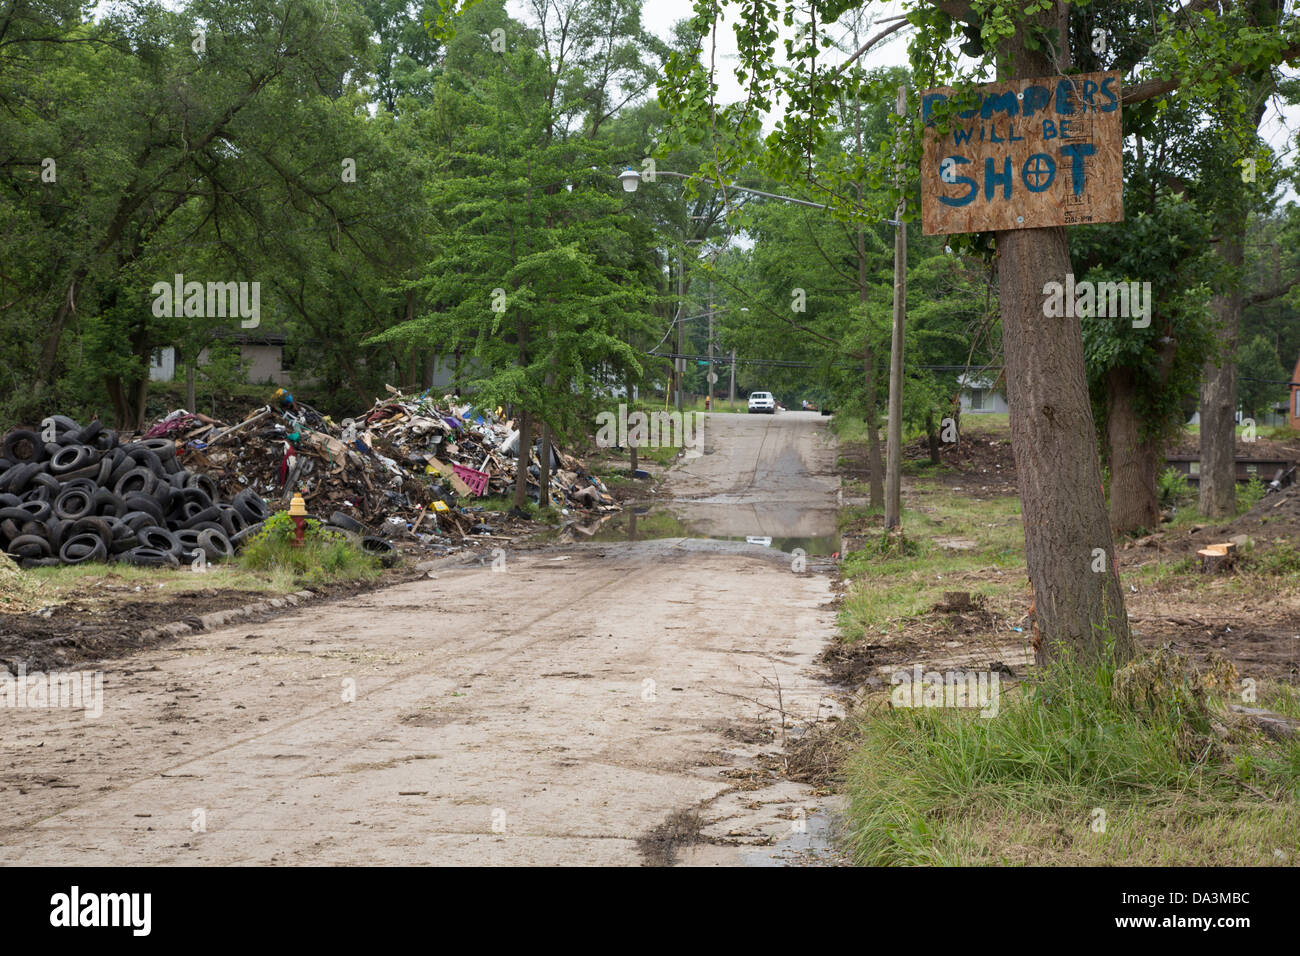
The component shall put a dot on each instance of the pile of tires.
(71, 494)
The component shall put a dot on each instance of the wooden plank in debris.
(453, 479)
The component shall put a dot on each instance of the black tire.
(162, 447)
(29, 546)
(88, 434)
(74, 503)
(250, 504)
(205, 526)
(17, 479)
(145, 503)
(48, 482)
(159, 539)
(138, 520)
(136, 481)
(201, 482)
(106, 440)
(242, 537)
(36, 509)
(73, 458)
(216, 546)
(192, 495)
(9, 501)
(83, 549)
(21, 445)
(89, 473)
(95, 526)
(348, 523)
(107, 503)
(124, 542)
(208, 515)
(149, 558)
(28, 563)
(55, 532)
(381, 549)
(231, 519)
(105, 472)
(146, 458)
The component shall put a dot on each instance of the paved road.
(552, 712)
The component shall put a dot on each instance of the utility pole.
(894, 453)
(733, 380)
(709, 377)
(680, 362)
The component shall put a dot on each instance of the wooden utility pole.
(680, 362)
(894, 452)
(709, 376)
(733, 380)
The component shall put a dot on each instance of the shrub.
(325, 555)
(1172, 488)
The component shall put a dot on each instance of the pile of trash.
(71, 495)
(408, 464)
(195, 487)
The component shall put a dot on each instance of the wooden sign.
(1030, 153)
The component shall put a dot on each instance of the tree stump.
(1216, 557)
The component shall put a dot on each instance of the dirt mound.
(1276, 516)
(979, 465)
(18, 592)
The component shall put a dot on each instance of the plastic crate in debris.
(477, 480)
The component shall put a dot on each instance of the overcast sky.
(1278, 128)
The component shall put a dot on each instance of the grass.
(323, 557)
(1068, 772)
(75, 580)
(888, 586)
(1072, 772)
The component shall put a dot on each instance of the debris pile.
(71, 495)
(408, 464)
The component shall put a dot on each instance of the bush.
(1172, 488)
(325, 555)
(1249, 495)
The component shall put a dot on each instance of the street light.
(630, 179)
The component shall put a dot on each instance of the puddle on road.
(811, 847)
(645, 523)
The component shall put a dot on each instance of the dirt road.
(551, 711)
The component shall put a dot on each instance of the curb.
(216, 619)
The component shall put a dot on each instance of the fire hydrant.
(298, 512)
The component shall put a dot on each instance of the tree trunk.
(191, 385)
(1077, 610)
(521, 465)
(1218, 486)
(544, 465)
(1054, 441)
(1133, 502)
(874, 458)
(932, 437)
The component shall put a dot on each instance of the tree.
(1262, 377)
(1066, 530)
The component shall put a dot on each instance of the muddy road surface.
(610, 703)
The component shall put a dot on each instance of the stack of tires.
(71, 495)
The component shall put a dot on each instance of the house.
(262, 354)
(978, 396)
